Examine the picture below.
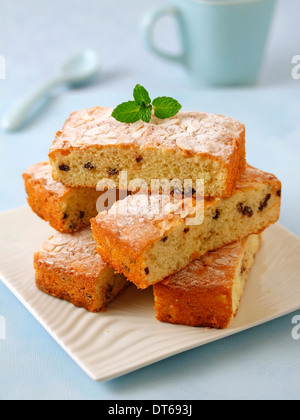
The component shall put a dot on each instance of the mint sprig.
(141, 108)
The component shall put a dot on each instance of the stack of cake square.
(198, 270)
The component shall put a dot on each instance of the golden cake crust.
(41, 173)
(44, 194)
(49, 199)
(187, 134)
(201, 295)
(75, 252)
(68, 267)
(212, 273)
(134, 220)
(131, 228)
(191, 132)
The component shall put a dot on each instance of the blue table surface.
(262, 363)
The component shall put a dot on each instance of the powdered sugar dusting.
(42, 172)
(139, 216)
(216, 268)
(195, 132)
(142, 208)
(253, 175)
(75, 252)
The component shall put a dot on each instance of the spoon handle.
(15, 117)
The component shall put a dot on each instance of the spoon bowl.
(81, 67)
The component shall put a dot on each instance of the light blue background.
(35, 36)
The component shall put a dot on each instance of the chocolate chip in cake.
(108, 292)
(72, 227)
(81, 214)
(88, 296)
(279, 193)
(65, 216)
(147, 271)
(243, 269)
(139, 158)
(64, 168)
(186, 230)
(264, 203)
(217, 215)
(248, 211)
(112, 172)
(164, 239)
(89, 165)
(245, 210)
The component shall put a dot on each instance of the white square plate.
(128, 336)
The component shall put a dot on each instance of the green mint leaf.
(166, 107)
(141, 96)
(146, 114)
(141, 108)
(127, 112)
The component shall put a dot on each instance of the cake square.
(68, 267)
(207, 293)
(66, 209)
(93, 146)
(148, 245)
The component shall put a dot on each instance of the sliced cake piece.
(66, 209)
(207, 292)
(68, 267)
(147, 239)
(93, 146)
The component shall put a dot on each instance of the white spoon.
(77, 70)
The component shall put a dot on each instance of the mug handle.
(148, 27)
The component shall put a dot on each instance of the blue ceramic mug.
(223, 40)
